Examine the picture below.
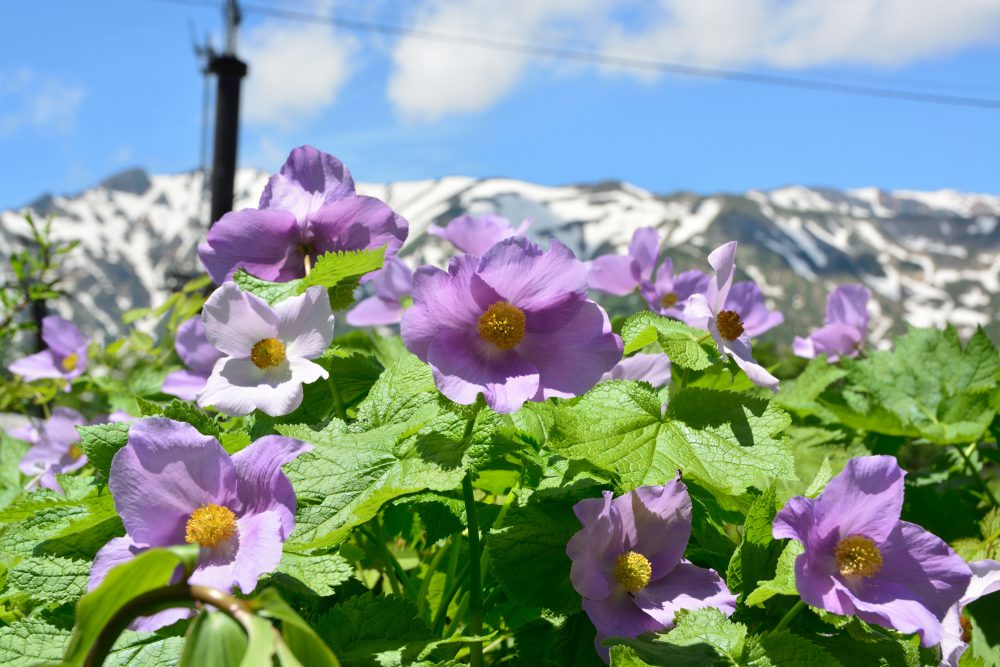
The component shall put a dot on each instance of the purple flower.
(861, 559)
(651, 368)
(628, 563)
(622, 274)
(197, 354)
(668, 293)
(846, 325)
(65, 357)
(708, 311)
(54, 448)
(747, 301)
(985, 580)
(514, 325)
(392, 284)
(306, 209)
(172, 485)
(475, 234)
(266, 350)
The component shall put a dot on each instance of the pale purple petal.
(572, 359)
(739, 350)
(166, 471)
(357, 223)
(237, 387)
(305, 323)
(723, 260)
(804, 347)
(467, 367)
(309, 179)
(594, 548)
(985, 580)
(656, 522)
(193, 347)
(952, 644)
(184, 384)
(848, 304)
(261, 485)
(865, 498)
(393, 281)
(62, 336)
(38, 366)
(835, 340)
(268, 244)
(618, 616)
(690, 282)
(475, 234)
(374, 311)
(254, 551)
(235, 321)
(686, 586)
(746, 299)
(651, 368)
(612, 274)
(117, 551)
(530, 278)
(644, 250)
(440, 300)
(698, 312)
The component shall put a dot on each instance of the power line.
(627, 62)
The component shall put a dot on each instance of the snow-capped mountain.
(930, 257)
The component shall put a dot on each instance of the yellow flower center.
(632, 570)
(966, 625)
(730, 325)
(70, 361)
(267, 353)
(75, 452)
(210, 525)
(857, 556)
(502, 324)
(669, 299)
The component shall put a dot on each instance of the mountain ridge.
(929, 257)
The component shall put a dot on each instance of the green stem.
(792, 613)
(975, 472)
(425, 585)
(155, 600)
(390, 560)
(438, 626)
(475, 573)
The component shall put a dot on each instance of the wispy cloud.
(434, 79)
(296, 70)
(41, 103)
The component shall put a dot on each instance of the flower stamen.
(858, 556)
(70, 361)
(210, 525)
(502, 324)
(669, 300)
(729, 323)
(267, 353)
(632, 571)
(75, 452)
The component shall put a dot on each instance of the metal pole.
(229, 71)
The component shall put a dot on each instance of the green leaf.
(403, 388)
(101, 442)
(697, 636)
(927, 387)
(570, 642)
(367, 631)
(686, 346)
(213, 638)
(784, 648)
(349, 476)
(300, 638)
(754, 559)
(31, 641)
(800, 395)
(181, 411)
(783, 582)
(147, 571)
(528, 552)
(320, 573)
(340, 272)
(725, 441)
(48, 579)
(270, 292)
(46, 523)
(11, 452)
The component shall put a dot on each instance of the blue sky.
(87, 89)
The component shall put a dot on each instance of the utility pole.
(229, 71)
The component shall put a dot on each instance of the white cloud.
(29, 101)
(296, 71)
(433, 79)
